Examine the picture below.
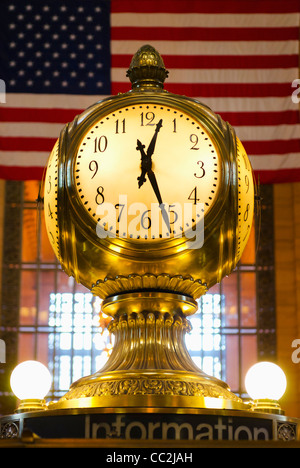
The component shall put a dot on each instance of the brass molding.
(186, 285)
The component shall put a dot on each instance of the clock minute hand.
(151, 146)
(154, 184)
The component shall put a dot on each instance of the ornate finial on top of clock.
(147, 68)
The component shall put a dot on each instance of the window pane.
(248, 299)
(28, 297)
(230, 305)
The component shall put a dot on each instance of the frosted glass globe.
(265, 380)
(30, 380)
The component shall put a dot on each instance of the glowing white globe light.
(30, 380)
(265, 380)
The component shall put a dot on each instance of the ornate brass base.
(150, 365)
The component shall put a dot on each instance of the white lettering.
(177, 428)
(295, 354)
(2, 352)
(222, 430)
(295, 93)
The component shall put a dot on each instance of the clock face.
(50, 199)
(147, 172)
(245, 198)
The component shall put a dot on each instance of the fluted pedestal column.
(149, 365)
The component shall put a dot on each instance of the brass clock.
(155, 179)
(148, 203)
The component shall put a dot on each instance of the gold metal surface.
(149, 288)
(149, 365)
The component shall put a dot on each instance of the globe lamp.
(30, 382)
(265, 383)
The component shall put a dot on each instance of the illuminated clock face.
(50, 199)
(245, 198)
(147, 172)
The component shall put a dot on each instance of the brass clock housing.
(93, 260)
(148, 285)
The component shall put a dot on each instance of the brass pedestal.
(149, 365)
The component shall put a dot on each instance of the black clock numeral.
(246, 213)
(174, 126)
(93, 167)
(100, 144)
(201, 168)
(146, 220)
(247, 182)
(120, 126)
(194, 140)
(193, 196)
(50, 213)
(120, 207)
(147, 119)
(99, 199)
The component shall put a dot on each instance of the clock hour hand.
(142, 177)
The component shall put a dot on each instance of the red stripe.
(217, 62)
(235, 118)
(213, 6)
(21, 173)
(260, 118)
(15, 114)
(219, 90)
(272, 147)
(278, 176)
(26, 144)
(204, 34)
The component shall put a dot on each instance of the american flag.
(240, 58)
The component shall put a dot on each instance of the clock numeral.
(50, 213)
(120, 127)
(146, 220)
(119, 207)
(246, 213)
(100, 144)
(174, 126)
(201, 166)
(93, 166)
(194, 140)
(247, 182)
(99, 199)
(147, 119)
(193, 196)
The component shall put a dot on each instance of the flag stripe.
(255, 90)
(216, 62)
(207, 20)
(204, 34)
(214, 6)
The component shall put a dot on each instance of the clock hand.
(145, 163)
(146, 158)
(154, 184)
(151, 146)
